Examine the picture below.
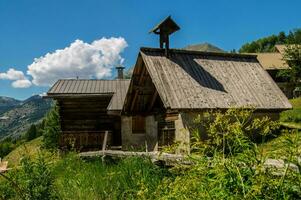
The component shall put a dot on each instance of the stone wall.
(139, 141)
(182, 135)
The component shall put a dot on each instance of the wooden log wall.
(84, 122)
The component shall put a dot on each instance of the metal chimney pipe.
(120, 69)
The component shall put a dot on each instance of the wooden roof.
(167, 25)
(280, 48)
(92, 88)
(274, 61)
(270, 61)
(207, 80)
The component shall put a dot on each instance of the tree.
(31, 133)
(267, 44)
(292, 57)
(52, 129)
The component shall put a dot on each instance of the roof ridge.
(223, 54)
(93, 80)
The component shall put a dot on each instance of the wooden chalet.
(169, 87)
(87, 109)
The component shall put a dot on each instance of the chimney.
(164, 29)
(120, 71)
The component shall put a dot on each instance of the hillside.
(7, 103)
(204, 47)
(17, 118)
(30, 148)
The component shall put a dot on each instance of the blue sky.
(30, 29)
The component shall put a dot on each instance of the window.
(138, 124)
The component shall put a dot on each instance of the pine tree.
(52, 129)
(31, 133)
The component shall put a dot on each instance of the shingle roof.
(116, 88)
(203, 80)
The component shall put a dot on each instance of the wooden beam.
(134, 100)
(143, 89)
(153, 100)
(142, 75)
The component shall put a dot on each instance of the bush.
(231, 132)
(5, 148)
(33, 181)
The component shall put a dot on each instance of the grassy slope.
(292, 118)
(31, 149)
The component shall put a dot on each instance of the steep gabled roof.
(88, 88)
(206, 80)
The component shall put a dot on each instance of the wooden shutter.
(138, 124)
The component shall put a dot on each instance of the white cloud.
(21, 83)
(81, 59)
(18, 78)
(12, 74)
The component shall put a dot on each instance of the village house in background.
(273, 63)
(168, 88)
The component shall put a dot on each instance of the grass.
(131, 178)
(277, 147)
(292, 118)
(296, 103)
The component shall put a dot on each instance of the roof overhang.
(61, 96)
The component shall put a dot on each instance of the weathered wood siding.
(84, 122)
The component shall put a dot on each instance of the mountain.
(204, 47)
(7, 103)
(21, 114)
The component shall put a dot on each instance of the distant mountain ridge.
(17, 116)
(207, 47)
(6, 103)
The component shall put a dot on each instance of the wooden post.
(104, 144)
(146, 147)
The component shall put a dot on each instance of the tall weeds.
(230, 165)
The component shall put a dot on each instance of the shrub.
(33, 181)
(231, 132)
(235, 168)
